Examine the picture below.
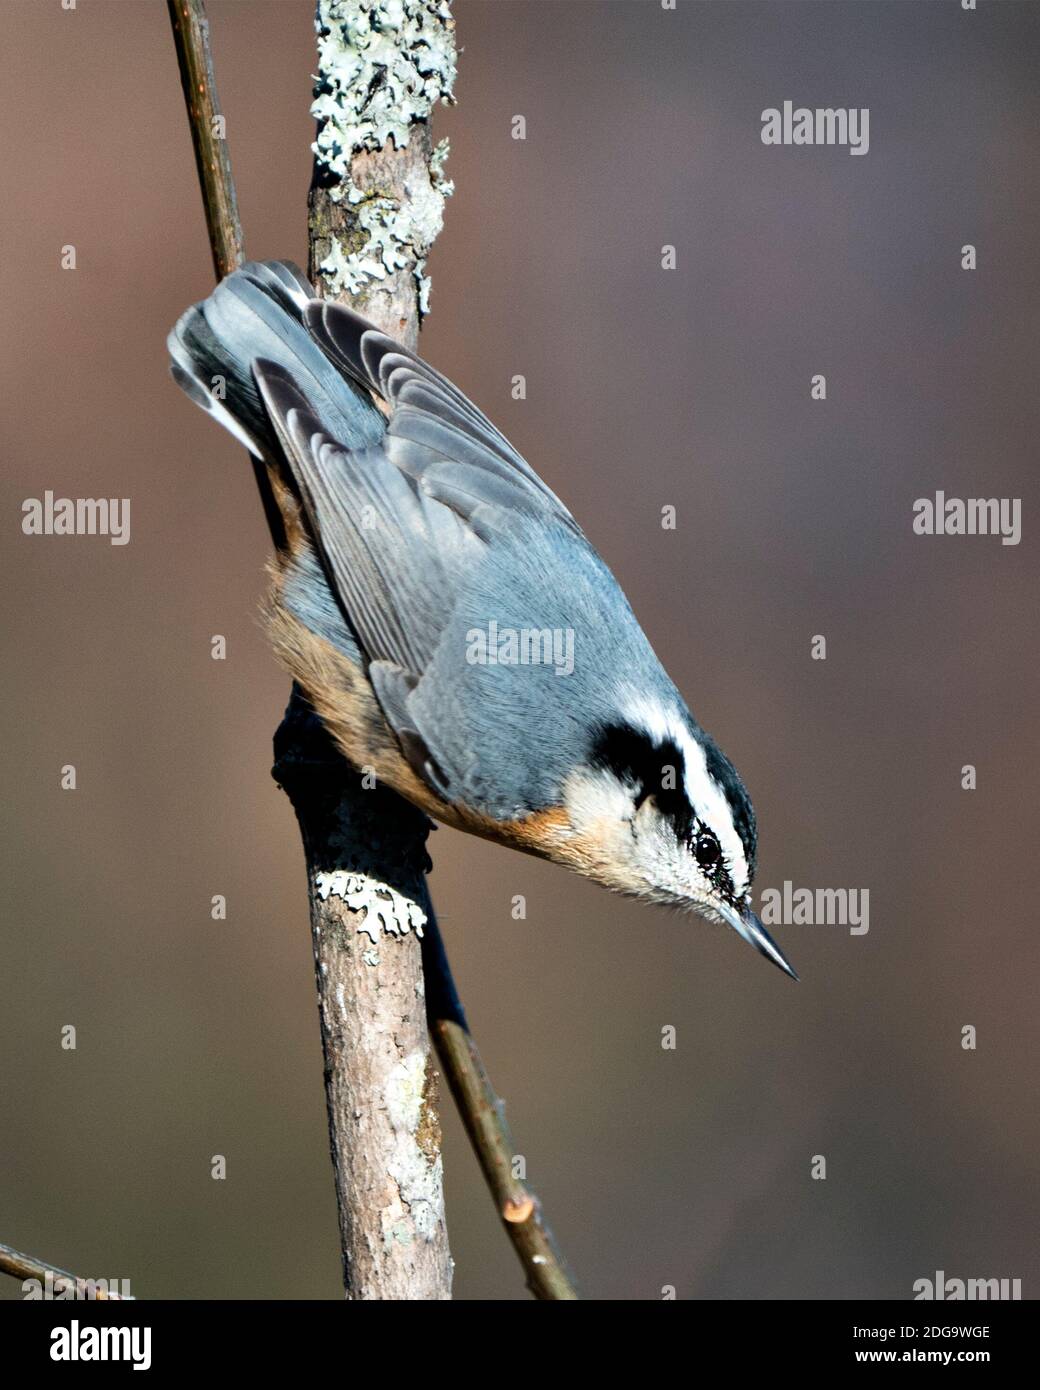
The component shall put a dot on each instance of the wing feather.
(390, 548)
(425, 407)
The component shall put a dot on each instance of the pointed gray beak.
(747, 925)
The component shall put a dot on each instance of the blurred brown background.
(692, 1167)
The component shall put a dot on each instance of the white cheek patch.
(639, 846)
(594, 797)
(704, 794)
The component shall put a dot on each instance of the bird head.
(659, 812)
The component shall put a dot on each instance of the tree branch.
(340, 821)
(21, 1266)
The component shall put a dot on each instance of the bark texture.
(366, 860)
(400, 176)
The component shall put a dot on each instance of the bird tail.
(258, 312)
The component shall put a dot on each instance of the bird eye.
(706, 849)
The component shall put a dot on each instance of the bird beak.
(746, 924)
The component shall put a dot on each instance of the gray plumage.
(415, 543)
(430, 526)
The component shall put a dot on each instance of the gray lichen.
(419, 1207)
(382, 66)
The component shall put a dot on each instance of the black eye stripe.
(656, 769)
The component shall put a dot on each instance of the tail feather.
(258, 311)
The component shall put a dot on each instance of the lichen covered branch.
(373, 213)
(379, 183)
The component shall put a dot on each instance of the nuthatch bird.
(424, 575)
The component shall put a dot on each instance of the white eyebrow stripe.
(710, 802)
(706, 797)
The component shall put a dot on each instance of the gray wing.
(391, 549)
(424, 528)
(435, 434)
(404, 526)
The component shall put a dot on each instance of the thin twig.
(479, 1107)
(191, 35)
(21, 1266)
(483, 1115)
(213, 163)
